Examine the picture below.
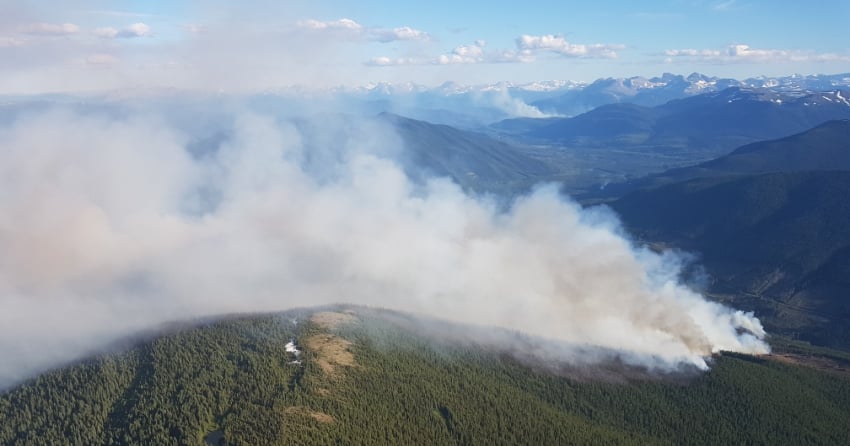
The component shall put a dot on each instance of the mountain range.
(715, 122)
(647, 91)
(659, 90)
(477, 105)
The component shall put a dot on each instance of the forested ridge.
(364, 379)
(774, 243)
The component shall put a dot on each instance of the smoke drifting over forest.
(115, 223)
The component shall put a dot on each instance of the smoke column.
(110, 225)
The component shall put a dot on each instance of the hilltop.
(364, 377)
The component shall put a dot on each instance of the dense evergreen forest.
(360, 378)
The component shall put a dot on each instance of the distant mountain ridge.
(825, 147)
(624, 89)
(658, 90)
(570, 98)
(567, 97)
(711, 124)
(733, 112)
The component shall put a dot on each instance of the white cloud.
(384, 61)
(402, 33)
(341, 24)
(689, 52)
(746, 52)
(50, 29)
(474, 53)
(559, 45)
(132, 31)
(350, 28)
(106, 33)
(464, 54)
(135, 30)
(528, 47)
(742, 53)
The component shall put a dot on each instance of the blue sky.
(86, 45)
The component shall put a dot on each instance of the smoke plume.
(111, 224)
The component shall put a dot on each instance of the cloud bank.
(559, 45)
(350, 29)
(130, 32)
(113, 225)
(528, 49)
(742, 53)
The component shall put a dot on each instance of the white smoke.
(500, 98)
(109, 226)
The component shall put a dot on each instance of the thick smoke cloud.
(110, 225)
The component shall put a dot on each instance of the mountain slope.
(778, 241)
(825, 147)
(365, 378)
(474, 160)
(712, 123)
